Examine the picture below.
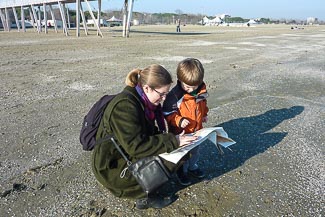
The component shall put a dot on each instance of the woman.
(132, 117)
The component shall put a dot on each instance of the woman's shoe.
(161, 202)
(142, 203)
(183, 178)
(156, 202)
(197, 173)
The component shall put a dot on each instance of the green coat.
(138, 137)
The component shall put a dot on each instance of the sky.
(275, 9)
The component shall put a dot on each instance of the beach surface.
(267, 90)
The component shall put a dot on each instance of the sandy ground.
(266, 86)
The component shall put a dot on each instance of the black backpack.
(91, 123)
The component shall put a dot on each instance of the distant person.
(185, 109)
(178, 25)
(136, 120)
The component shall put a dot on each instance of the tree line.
(160, 18)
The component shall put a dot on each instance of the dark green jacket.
(139, 137)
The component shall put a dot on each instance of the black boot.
(154, 201)
(142, 203)
(183, 178)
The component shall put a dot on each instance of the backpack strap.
(101, 140)
(120, 150)
(110, 135)
(111, 107)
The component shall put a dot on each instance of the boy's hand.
(205, 119)
(184, 123)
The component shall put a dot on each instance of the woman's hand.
(185, 139)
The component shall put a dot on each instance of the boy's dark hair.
(190, 71)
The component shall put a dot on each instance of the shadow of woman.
(252, 137)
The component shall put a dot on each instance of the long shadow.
(165, 33)
(252, 137)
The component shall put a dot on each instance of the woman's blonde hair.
(190, 71)
(154, 76)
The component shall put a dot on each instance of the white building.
(211, 22)
(102, 22)
(312, 20)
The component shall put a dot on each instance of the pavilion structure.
(47, 5)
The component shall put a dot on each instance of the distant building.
(223, 16)
(211, 22)
(113, 21)
(254, 21)
(312, 20)
(136, 22)
(102, 22)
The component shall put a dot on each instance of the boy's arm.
(206, 109)
(174, 121)
(170, 110)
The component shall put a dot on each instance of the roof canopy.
(114, 19)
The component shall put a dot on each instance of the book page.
(214, 134)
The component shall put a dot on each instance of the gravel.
(266, 86)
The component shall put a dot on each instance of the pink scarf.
(151, 111)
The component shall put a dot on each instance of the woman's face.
(156, 95)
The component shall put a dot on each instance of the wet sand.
(266, 86)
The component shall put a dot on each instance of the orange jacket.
(179, 105)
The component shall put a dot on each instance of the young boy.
(185, 109)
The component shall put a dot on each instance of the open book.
(217, 135)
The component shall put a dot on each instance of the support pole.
(68, 17)
(129, 18)
(93, 17)
(16, 18)
(8, 21)
(22, 18)
(39, 19)
(77, 18)
(83, 19)
(65, 30)
(3, 20)
(45, 18)
(54, 20)
(99, 13)
(125, 10)
(31, 14)
(35, 18)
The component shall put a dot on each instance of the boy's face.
(188, 88)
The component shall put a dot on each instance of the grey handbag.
(149, 172)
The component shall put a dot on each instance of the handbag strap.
(120, 150)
